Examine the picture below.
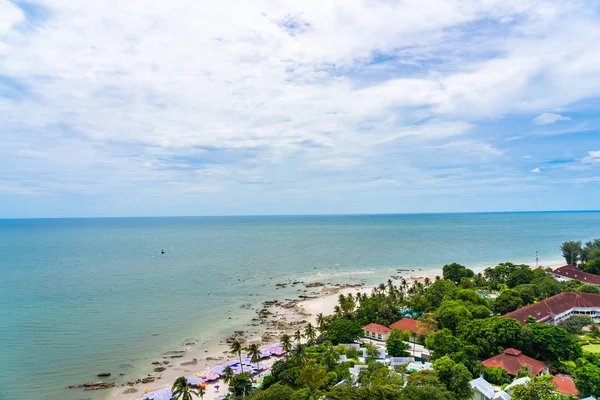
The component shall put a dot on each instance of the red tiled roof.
(377, 328)
(565, 385)
(511, 360)
(408, 324)
(546, 309)
(572, 272)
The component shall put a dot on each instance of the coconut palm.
(320, 322)
(236, 348)
(309, 333)
(286, 343)
(183, 391)
(254, 354)
(297, 337)
(227, 374)
(330, 356)
(298, 355)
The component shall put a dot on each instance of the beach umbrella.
(217, 387)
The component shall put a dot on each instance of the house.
(376, 331)
(483, 390)
(418, 367)
(512, 360)
(411, 325)
(560, 307)
(397, 361)
(565, 385)
(569, 272)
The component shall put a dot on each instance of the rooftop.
(512, 360)
(565, 385)
(409, 324)
(546, 309)
(572, 272)
(377, 328)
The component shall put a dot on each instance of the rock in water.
(98, 385)
(102, 374)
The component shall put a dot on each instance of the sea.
(83, 296)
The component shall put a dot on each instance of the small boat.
(162, 251)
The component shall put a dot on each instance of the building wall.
(376, 336)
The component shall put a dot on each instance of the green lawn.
(591, 348)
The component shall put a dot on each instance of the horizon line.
(310, 215)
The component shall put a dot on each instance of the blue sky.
(137, 108)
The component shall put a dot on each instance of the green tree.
(310, 334)
(442, 343)
(496, 376)
(455, 272)
(286, 343)
(491, 335)
(548, 286)
(371, 350)
(452, 313)
(480, 312)
(587, 380)
(395, 346)
(227, 374)
(425, 385)
(330, 356)
(589, 289)
(538, 388)
(455, 376)
(571, 252)
(521, 275)
(509, 300)
(439, 291)
(342, 331)
(240, 385)
(183, 391)
(235, 348)
(549, 343)
(591, 251)
(529, 293)
(313, 377)
(275, 392)
(575, 323)
(254, 354)
(298, 337)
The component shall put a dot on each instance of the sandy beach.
(277, 318)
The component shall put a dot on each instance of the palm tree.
(297, 337)
(413, 336)
(254, 354)
(183, 391)
(330, 356)
(298, 355)
(320, 321)
(236, 348)
(227, 374)
(309, 333)
(286, 343)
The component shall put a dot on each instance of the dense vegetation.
(462, 313)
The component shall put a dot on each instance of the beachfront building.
(512, 360)
(560, 307)
(570, 272)
(411, 325)
(483, 390)
(376, 332)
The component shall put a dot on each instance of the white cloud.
(593, 157)
(535, 170)
(192, 96)
(549, 118)
(527, 156)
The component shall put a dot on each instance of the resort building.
(411, 325)
(376, 331)
(560, 307)
(565, 385)
(512, 360)
(569, 272)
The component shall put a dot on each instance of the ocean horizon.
(79, 296)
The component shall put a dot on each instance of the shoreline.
(273, 319)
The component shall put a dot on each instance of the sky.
(180, 107)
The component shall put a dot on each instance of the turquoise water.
(81, 296)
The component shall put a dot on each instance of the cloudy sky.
(181, 107)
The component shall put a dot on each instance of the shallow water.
(82, 296)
